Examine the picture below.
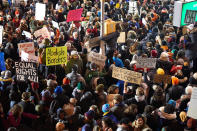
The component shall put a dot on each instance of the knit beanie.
(66, 81)
(175, 80)
(160, 71)
(172, 102)
(106, 108)
(90, 114)
(80, 86)
(154, 53)
(58, 90)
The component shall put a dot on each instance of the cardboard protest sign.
(146, 62)
(26, 47)
(42, 34)
(1, 35)
(162, 78)
(56, 55)
(94, 42)
(127, 75)
(28, 57)
(193, 106)
(97, 58)
(122, 38)
(2, 62)
(74, 15)
(40, 11)
(26, 71)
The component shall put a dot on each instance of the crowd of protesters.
(74, 96)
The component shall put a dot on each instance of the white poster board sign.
(193, 106)
(27, 34)
(28, 57)
(40, 11)
(26, 47)
(133, 7)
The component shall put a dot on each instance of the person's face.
(116, 91)
(103, 124)
(140, 121)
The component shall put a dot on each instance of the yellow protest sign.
(56, 55)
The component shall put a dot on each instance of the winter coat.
(111, 116)
(70, 64)
(118, 110)
(165, 65)
(74, 78)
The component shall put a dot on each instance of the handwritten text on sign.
(27, 48)
(162, 78)
(26, 71)
(56, 55)
(97, 58)
(126, 75)
(146, 62)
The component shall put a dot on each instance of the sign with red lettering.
(74, 15)
(27, 48)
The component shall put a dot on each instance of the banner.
(26, 71)
(1, 35)
(56, 55)
(28, 57)
(162, 78)
(40, 11)
(121, 38)
(74, 15)
(42, 34)
(26, 47)
(193, 106)
(126, 75)
(2, 62)
(97, 58)
(146, 62)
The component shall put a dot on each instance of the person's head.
(188, 90)
(148, 109)
(106, 108)
(107, 122)
(60, 126)
(124, 122)
(75, 68)
(11, 129)
(16, 110)
(89, 115)
(58, 90)
(94, 108)
(113, 89)
(139, 91)
(140, 120)
(75, 35)
(80, 87)
(73, 101)
(26, 96)
(117, 99)
(100, 88)
(131, 110)
(164, 56)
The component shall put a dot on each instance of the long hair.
(16, 110)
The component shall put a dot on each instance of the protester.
(63, 87)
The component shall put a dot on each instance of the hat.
(89, 30)
(154, 53)
(58, 90)
(160, 71)
(66, 81)
(90, 114)
(106, 108)
(74, 53)
(183, 116)
(188, 90)
(175, 80)
(172, 102)
(80, 86)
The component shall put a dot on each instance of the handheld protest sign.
(162, 78)
(97, 58)
(26, 71)
(40, 11)
(127, 75)
(27, 48)
(193, 106)
(121, 38)
(146, 62)
(56, 55)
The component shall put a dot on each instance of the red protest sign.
(74, 15)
